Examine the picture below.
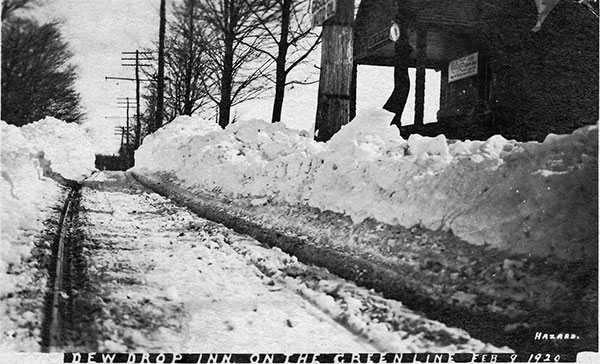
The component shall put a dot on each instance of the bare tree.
(291, 40)
(188, 55)
(185, 65)
(235, 67)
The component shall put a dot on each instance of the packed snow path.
(167, 281)
(152, 277)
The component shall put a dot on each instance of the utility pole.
(119, 130)
(128, 145)
(335, 80)
(138, 80)
(160, 84)
(138, 125)
(123, 132)
(137, 65)
(125, 137)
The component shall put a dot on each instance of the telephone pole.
(137, 65)
(125, 133)
(160, 84)
(139, 56)
(128, 142)
(125, 101)
(334, 104)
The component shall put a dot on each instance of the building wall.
(459, 98)
(533, 84)
(371, 29)
(539, 83)
(546, 81)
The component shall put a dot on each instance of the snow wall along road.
(34, 157)
(532, 198)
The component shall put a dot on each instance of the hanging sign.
(463, 67)
(322, 10)
(394, 32)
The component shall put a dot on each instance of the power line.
(125, 78)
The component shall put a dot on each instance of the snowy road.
(151, 276)
(166, 280)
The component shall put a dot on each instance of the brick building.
(497, 76)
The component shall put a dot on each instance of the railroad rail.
(55, 299)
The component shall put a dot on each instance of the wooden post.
(138, 121)
(333, 104)
(128, 145)
(160, 82)
(420, 76)
(122, 139)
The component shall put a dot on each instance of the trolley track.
(133, 271)
(138, 273)
(60, 267)
(97, 301)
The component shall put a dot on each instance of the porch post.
(420, 75)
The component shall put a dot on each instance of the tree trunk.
(333, 104)
(280, 73)
(187, 102)
(226, 82)
(280, 78)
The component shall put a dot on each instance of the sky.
(99, 30)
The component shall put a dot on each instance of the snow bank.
(65, 145)
(538, 198)
(49, 146)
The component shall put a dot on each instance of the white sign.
(463, 67)
(322, 10)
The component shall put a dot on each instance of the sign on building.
(463, 67)
(322, 10)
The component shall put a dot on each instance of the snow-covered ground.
(33, 158)
(47, 146)
(532, 198)
(161, 279)
(538, 198)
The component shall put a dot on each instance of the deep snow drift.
(30, 154)
(538, 198)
